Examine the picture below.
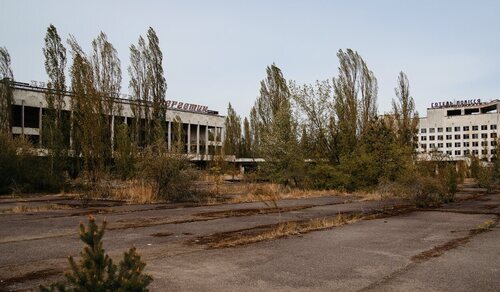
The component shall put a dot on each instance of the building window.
(457, 144)
(475, 128)
(440, 130)
(484, 135)
(440, 137)
(475, 152)
(448, 137)
(466, 152)
(475, 136)
(484, 127)
(431, 130)
(466, 144)
(457, 129)
(432, 138)
(448, 145)
(484, 143)
(423, 138)
(448, 129)
(466, 136)
(457, 152)
(466, 128)
(484, 151)
(440, 145)
(493, 127)
(424, 146)
(475, 144)
(493, 135)
(493, 151)
(458, 137)
(432, 145)
(493, 143)
(448, 152)
(423, 130)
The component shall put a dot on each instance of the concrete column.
(169, 136)
(189, 139)
(112, 134)
(40, 123)
(198, 139)
(71, 130)
(215, 140)
(206, 140)
(22, 117)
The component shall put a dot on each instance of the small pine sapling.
(96, 272)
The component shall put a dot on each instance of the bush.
(485, 178)
(96, 271)
(170, 174)
(22, 170)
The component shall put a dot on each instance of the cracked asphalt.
(369, 255)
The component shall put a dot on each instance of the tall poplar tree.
(148, 86)
(158, 85)
(107, 81)
(5, 91)
(53, 123)
(277, 129)
(232, 141)
(404, 112)
(247, 139)
(88, 108)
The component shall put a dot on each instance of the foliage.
(95, 270)
(22, 170)
(232, 141)
(485, 178)
(169, 173)
(5, 91)
(125, 154)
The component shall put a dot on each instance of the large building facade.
(202, 129)
(455, 130)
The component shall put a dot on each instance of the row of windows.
(457, 137)
(457, 129)
(468, 152)
(458, 144)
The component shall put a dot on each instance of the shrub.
(96, 271)
(22, 170)
(170, 174)
(485, 178)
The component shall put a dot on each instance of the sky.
(216, 51)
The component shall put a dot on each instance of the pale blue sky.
(216, 52)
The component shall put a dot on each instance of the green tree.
(88, 108)
(277, 128)
(158, 84)
(247, 139)
(404, 112)
(6, 96)
(107, 82)
(95, 270)
(125, 154)
(232, 141)
(355, 99)
(53, 123)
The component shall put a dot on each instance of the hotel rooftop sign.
(458, 103)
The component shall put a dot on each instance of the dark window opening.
(31, 117)
(17, 116)
(456, 112)
(471, 111)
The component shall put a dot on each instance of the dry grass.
(486, 225)
(22, 208)
(133, 191)
(287, 229)
(269, 192)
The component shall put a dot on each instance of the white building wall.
(457, 136)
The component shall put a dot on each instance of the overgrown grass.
(22, 208)
(258, 192)
(287, 229)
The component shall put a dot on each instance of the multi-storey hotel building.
(455, 130)
(203, 129)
